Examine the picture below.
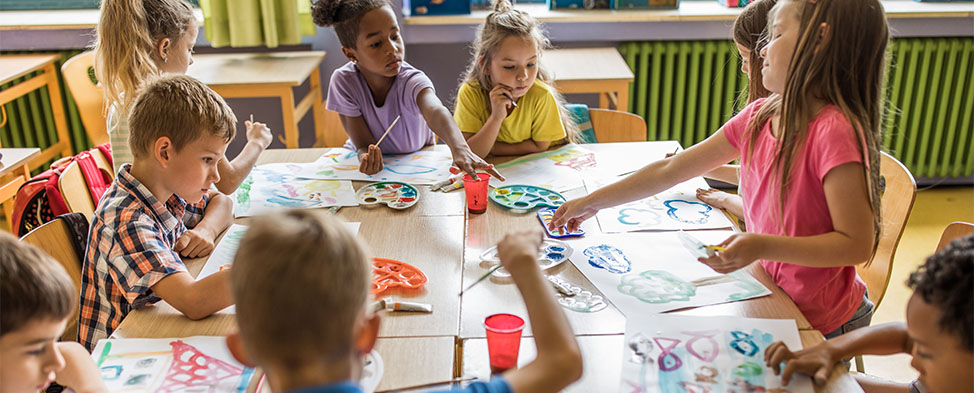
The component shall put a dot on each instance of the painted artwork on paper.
(421, 167)
(681, 354)
(652, 272)
(673, 209)
(267, 190)
(192, 364)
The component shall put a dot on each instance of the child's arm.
(200, 240)
(559, 362)
(651, 179)
(80, 372)
(195, 299)
(850, 242)
(369, 155)
(234, 172)
(515, 149)
(820, 360)
(483, 142)
(441, 122)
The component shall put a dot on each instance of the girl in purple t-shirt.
(376, 86)
(809, 161)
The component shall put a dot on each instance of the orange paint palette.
(389, 273)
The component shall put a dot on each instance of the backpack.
(39, 200)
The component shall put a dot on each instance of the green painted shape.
(748, 369)
(656, 286)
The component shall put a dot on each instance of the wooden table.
(16, 66)
(601, 356)
(14, 172)
(592, 70)
(245, 75)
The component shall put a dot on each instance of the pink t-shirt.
(828, 297)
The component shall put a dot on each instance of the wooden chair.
(56, 239)
(897, 198)
(616, 126)
(955, 230)
(78, 74)
(74, 189)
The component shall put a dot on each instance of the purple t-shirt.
(349, 95)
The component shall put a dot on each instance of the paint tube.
(407, 306)
(379, 305)
(562, 286)
(452, 187)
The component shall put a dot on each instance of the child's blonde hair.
(846, 69)
(33, 286)
(181, 108)
(749, 30)
(505, 22)
(285, 261)
(128, 32)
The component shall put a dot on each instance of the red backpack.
(39, 200)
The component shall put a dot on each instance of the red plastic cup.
(503, 341)
(476, 192)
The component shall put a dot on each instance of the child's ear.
(368, 332)
(349, 54)
(824, 35)
(236, 347)
(162, 150)
(162, 49)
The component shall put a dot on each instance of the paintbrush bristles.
(387, 130)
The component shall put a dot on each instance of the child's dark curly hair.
(345, 15)
(946, 281)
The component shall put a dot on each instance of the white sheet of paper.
(675, 353)
(651, 272)
(421, 167)
(222, 255)
(267, 190)
(190, 364)
(563, 169)
(673, 209)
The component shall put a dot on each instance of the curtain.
(245, 23)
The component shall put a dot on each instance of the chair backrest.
(955, 230)
(896, 203)
(74, 189)
(56, 239)
(616, 126)
(89, 97)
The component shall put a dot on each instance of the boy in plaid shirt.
(180, 130)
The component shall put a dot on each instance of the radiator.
(686, 89)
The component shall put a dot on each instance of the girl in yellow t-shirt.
(504, 106)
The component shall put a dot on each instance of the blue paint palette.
(397, 195)
(521, 198)
(545, 214)
(551, 253)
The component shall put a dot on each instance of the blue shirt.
(496, 385)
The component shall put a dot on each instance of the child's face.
(777, 54)
(379, 48)
(194, 168)
(943, 363)
(179, 54)
(30, 356)
(515, 64)
(745, 59)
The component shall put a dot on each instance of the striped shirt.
(118, 135)
(130, 249)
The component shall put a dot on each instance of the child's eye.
(531, 65)
(508, 67)
(376, 44)
(207, 160)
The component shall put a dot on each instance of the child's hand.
(519, 250)
(500, 100)
(79, 372)
(258, 133)
(194, 243)
(468, 162)
(571, 215)
(370, 162)
(740, 249)
(816, 361)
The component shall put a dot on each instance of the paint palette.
(551, 253)
(545, 214)
(389, 273)
(521, 198)
(396, 195)
(695, 246)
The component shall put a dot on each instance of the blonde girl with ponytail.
(139, 39)
(506, 105)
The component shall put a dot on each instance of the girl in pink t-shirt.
(809, 160)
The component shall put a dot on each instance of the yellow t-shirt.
(536, 116)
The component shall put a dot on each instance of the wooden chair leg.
(860, 367)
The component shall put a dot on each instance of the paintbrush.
(510, 99)
(387, 131)
(427, 385)
(482, 278)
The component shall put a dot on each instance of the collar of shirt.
(170, 214)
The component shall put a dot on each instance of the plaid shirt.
(130, 248)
